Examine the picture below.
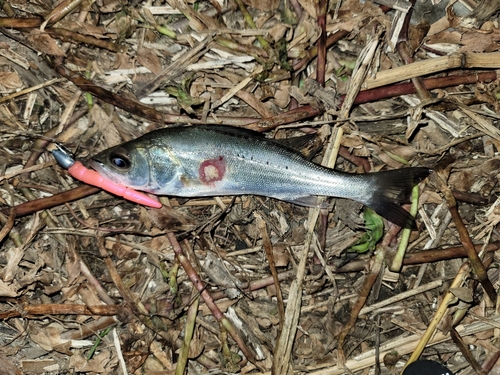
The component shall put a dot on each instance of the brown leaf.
(167, 218)
(123, 61)
(279, 31)
(8, 367)
(282, 96)
(37, 366)
(105, 125)
(123, 24)
(264, 5)
(281, 256)
(149, 59)
(478, 178)
(86, 28)
(478, 41)
(42, 337)
(220, 274)
(10, 80)
(310, 7)
(44, 43)
(355, 144)
(463, 294)
(417, 34)
(196, 347)
(8, 290)
(99, 363)
(447, 36)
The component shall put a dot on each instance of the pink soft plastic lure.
(80, 172)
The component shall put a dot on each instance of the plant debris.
(93, 284)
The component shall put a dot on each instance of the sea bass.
(200, 161)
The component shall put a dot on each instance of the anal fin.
(308, 201)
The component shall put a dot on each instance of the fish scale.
(202, 161)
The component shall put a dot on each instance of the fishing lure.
(80, 172)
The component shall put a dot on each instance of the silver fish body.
(202, 161)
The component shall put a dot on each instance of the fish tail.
(392, 188)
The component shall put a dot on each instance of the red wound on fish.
(212, 170)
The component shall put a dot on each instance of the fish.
(201, 161)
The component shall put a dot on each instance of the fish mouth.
(106, 173)
(98, 167)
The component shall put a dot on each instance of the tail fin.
(393, 187)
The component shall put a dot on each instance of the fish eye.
(120, 160)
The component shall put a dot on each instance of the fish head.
(126, 165)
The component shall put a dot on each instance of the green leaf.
(184, 99)
(374, 231)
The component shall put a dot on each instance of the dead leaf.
(123, 24)
(220, 274)
(266, 6)
(10, 80)
(278, 32)
(39, 366)
(196, 347)
(47, 337)
(14, 256)
(463, 294)
(7, 366)
(355, 144)
(168, 218)
(105, 125)
(148, 58)
(86, 28)
(281, 256)
(123, 61)
(402, 151)
(100, 363)
(282, 96)
(478, 178)
(44, 43)
(310, 7)
(8, 290)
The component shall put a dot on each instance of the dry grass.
(93, 284)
